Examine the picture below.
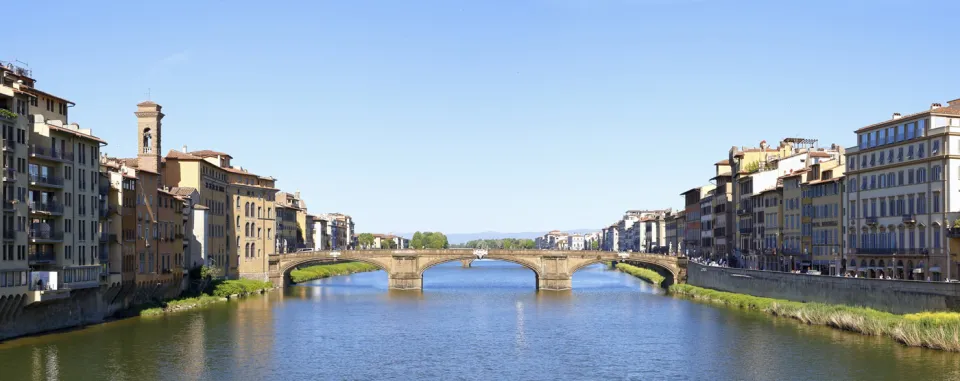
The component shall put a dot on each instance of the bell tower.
(148, 135)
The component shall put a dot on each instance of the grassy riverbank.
(216, 293)
(642, 273)
(935, 330)
(324, 271)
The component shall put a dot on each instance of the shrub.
(239, 287)
(642, 273)
(323, 271)
(936, 330)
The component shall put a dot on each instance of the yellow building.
(291, 221)
(251, 210)
(204, 171)
(824, 190)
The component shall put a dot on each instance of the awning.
(935, 269)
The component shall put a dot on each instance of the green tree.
(417, 241)
(365, 240)
(387, 244)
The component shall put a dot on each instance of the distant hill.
(455, 238)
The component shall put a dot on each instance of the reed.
(935, 330)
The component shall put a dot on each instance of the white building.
(898, 208)
(575, 242)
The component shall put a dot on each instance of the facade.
(575, 242)
(692, 229)
(706, 224)
(291, 221)
(52, 197)
(899, 212)
(670, 231)
(251, 206)
(207, 176)
(825, 195)
(723, 212)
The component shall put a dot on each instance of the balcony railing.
(9, 145)
(51, 181)
(40, 257)
(45, 235)
(46, 207)
(49, 153)
(9, 174)
(889, 251)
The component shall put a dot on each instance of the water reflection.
(485, 322)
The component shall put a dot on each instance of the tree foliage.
(429, 240)
(503, 243)
(365, 240)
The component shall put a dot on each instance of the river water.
(487, 322)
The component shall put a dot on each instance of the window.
(936, 202)
(935, 147)
(920, 153)
(935, 173)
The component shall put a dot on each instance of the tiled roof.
(75, 132)
(177, 155)
(183, 191)
(209, 153)
(953, 110)
(819, 154)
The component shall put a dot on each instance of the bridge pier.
(555, 282)
(405, 281)
(466, 263)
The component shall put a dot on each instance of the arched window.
(238, 202)
(258, 232)
(253, 248)
(246, 250)
(259, 209)
(147, 141)
(238, 243)
(246, 209)
(238, 222)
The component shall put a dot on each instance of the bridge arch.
(288, 267)
(670, 272)
(433, 262)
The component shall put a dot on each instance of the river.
(485, 322)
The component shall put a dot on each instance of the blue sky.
(465, 116)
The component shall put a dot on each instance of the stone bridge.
(553, 269)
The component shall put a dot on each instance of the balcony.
(746, 230)
(9, 145)
(51, 208)
(872, 220)
(46, 181)
(45, 236)
(9, 175)
(7, 115)
(104, 237)
(41, 257)
(909, 218)
(104, 254)
(46, 153)
(8, 206)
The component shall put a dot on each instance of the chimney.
(896, 115)
(935, 106)
(184, 148)
(297, 194)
